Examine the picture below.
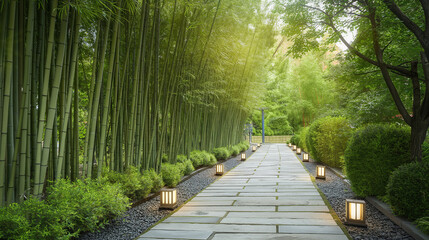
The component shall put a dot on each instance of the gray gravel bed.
(337, 191)
(141, 217)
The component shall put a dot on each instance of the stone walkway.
(269, 196)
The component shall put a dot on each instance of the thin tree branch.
(412, 26)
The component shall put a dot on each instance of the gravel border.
(144, 215)
(337, 191)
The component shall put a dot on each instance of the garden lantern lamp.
(355, 212)
(320, 172)
(254, 148)
(290, 144)
(305, 157)
(298, 151)
(243, 156)
(293, 147)
(219, 169)
(168, 198)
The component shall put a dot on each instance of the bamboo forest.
(107, 107)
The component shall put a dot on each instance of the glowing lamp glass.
(290, 144)
(259, 144)
(219, 169)
(168, 198)
(305, 157)
(320, 172)
(253, 148)
(293, 147)
(355, 212)
(243, 156)
(298, 151)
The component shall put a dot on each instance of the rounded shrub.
(133, 184)
(213, 159)
(408, 190)
(34, 219)
(328, 140)
(157, 182)
(294, 139)
(197, 158)
(234, 150)
(171, 174)
(373, 152)
(423, 224)
(221, 153)
(181, 158)
(187, 167)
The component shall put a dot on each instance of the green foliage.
(302, 138)
(164, 158)
(171, 174)
(197, 158)
(244, 145)
(156, 179)
(234, 150)
(213, 160)
(34, 219)
(373, 152)
(134, 184)
(221, 153)
(423, 224)
(331, 140)
(187, 167)
(294, 139)
(87, 204)
(181, 158)
(408, 190)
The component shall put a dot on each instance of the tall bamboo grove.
(88, 86)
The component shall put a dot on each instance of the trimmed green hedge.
(408, 190)
(327, 139)
(372, 154)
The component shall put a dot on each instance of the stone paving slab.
(269, 196)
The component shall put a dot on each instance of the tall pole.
(263, 126)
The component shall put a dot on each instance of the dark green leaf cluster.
(171, 174)
(221, 153)
(408, 191)
(372, 153)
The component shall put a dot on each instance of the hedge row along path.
(269, 196)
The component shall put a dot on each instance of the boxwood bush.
(408, 190)
(186, 167)
(327, 138)
(302, 137)
(221, 153)
(234, 150)
(372, 154)
(294, 139)
(171, 174)
(197, 158)
(157, 182)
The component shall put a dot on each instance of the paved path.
(269, 196)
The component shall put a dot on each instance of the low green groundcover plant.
(234, 150)
(221, 153)
(372, 154)
(157, 182)
(186, 167)
(171, 174)
(134, 184)
(34, 219)
(181, 158)
(423, 224)
(408, 190)
(87, 204)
